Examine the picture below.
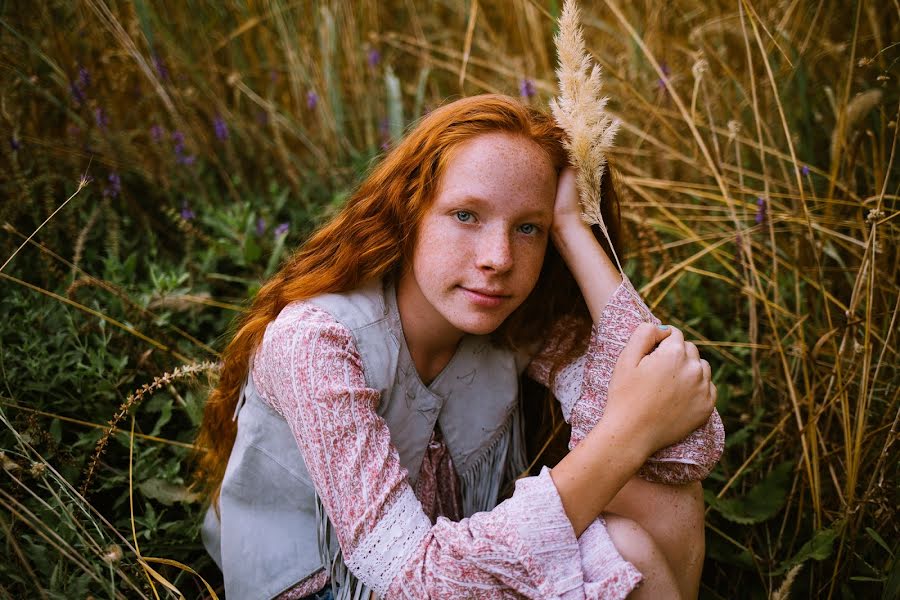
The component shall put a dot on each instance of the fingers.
(676, 339)
(691, 350)
(642, 341)
(707, 370)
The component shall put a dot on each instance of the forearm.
(591, 475)
(595, 273)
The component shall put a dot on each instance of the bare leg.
(638, 547)
(673, 516)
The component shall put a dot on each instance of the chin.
(485, 330)
(479, 326)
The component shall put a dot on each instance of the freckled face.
(481, 244)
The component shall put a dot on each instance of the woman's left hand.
(567, 208)
(597, 277)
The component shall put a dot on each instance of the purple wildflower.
(186, 213)
(760, 210)
(804, 170)
(156, 133)
(78, 87)
(281, 230)
(526, 88)
(661, 82)
(221, 128)
(260, 226)
(181, 157)
(161, 69)
(101, 118)
(312, 100)
(84, 78)
(115, 186)
(15, 144)
(77, 93)
(373, 57)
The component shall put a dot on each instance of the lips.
(485, 298)
(488, 293)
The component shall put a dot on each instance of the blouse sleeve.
(582, 388)
(309, 371)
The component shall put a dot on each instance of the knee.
(639, 548)
(674, 514)
(634, 543)
(693, 515)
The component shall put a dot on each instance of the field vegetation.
(159, 159)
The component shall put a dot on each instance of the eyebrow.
(525, 214)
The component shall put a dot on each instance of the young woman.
(368, 408)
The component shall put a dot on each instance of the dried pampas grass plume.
(580, 111)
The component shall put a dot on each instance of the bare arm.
(590, 476)
(649, 404)
(596, 275)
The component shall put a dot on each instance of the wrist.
(591, 475)
(628, 439)
(569, 226)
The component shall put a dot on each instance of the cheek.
(533, 258)
(438, 251)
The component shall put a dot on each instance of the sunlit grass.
(757, 156)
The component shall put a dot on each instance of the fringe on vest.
(503, 460)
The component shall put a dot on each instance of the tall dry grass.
(757, 150)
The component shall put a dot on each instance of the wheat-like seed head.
(580, 110)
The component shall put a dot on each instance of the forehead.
(502, 168)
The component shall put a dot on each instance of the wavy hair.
(373, 236)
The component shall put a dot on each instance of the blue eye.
(463, 216)
(528, 229)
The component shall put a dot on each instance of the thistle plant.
(580, 110)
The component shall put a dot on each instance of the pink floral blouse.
(399, 540)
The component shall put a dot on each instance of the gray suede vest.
(273, 531)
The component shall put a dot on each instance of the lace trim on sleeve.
(568, 385)
(383, 553)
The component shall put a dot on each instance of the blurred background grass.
(760, 204)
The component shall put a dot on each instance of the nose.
(495, 251)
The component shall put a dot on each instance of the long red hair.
(374, 235)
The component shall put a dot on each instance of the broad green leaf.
(761, 503)
(56, 430)
(168, 493)
(817, 548)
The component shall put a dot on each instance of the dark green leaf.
(762, 502)
(56, 430)
(817, 548)
(874, 535)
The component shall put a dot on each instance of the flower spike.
(580, 110)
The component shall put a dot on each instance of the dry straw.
(580, 110)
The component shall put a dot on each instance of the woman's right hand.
(658, 394)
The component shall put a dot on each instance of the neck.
(431, 340)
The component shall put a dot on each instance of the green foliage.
(819, 547)
(219, 135)
(761, 503)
